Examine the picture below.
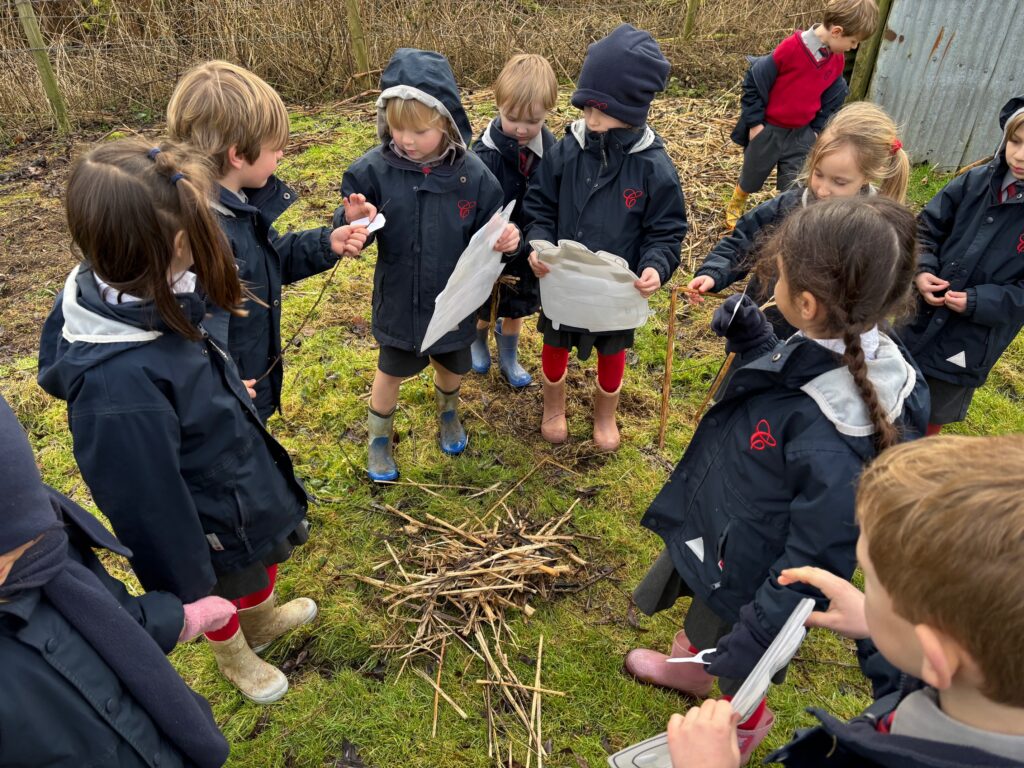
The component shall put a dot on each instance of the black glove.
(738, 652)
(749, 328)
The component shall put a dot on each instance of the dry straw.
(116, 58)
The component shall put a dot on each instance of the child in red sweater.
(789, 95)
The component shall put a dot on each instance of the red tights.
(247, 601)
(610, 368)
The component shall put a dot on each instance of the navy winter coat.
(432, 212)
(500, 154)
(62, 705)
(767, 482)
(616, 191)
(167, 439)
(265, 261)
(732, 257)
(859, 743)
(976, 243)
(757, 84)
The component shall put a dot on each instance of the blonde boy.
(240, 123)
(789, 95)
(942, 551)
(512, 147)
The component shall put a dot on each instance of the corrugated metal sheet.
(944, 69)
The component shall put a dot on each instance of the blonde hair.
(526, 79)
(944, 522)
(413, 115)
(1013, 125)
(218, 105)
(858, 18)
(869, 130)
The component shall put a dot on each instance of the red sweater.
(795, 97)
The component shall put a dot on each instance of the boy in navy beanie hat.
(610, 185)
(621, 74)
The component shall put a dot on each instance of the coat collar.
(494, 138)
(646, 139)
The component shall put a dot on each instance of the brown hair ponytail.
(857, 257)
(126, 203)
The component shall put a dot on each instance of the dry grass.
(117, 60)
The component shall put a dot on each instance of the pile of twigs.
(457, 583)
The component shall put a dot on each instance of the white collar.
(185, 283)
(869, 341)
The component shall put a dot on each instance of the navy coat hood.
(427, 77)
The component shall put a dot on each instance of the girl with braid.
(167, 438)
(768, 480)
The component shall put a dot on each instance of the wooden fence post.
(30, 24)
(867, 55)
(691, 18)
(355, 32)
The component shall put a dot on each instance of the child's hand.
(649, 282)
(539, 267)
(956, 300)
(845, 614)
(705, 737)
(927, 284)
(348, 240)
(205, 615)
(752, 134)
(509, 240)
(250, 387)
(357, 208)
(701, 284)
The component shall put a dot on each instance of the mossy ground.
(340, 692)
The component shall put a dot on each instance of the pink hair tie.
(897, 145)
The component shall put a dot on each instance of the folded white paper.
(371, 226)
(471, 281)
(653, 752)
(588, 290)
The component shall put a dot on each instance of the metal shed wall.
(944, 69)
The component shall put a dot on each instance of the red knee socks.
(554, 361)
(933, 429)
(610, 369)
(247, 601)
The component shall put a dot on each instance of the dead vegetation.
(119, 59)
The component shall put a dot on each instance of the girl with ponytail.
(768, 480)
(165, 433)
(858, 154)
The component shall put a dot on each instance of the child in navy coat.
(165, 434)
(937, 627)
(438, 195)
(610, 185)
(971, 275)
(767, 481)
(513, 146)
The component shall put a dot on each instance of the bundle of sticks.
(456, 584)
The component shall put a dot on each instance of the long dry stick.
(437, 691)
(536, 703)
(666, 384)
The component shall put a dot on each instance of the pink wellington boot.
(750, 738)
(651, 667)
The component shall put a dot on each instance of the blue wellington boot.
(481, 354)
(508, 359)
(380, 463)
(451, 436)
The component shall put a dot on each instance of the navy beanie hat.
(621, 74)
(25, 508)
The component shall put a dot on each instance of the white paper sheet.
(588, 290)
(371, 226)
(472, 280)
(653, 752)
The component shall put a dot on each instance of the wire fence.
(119, 59)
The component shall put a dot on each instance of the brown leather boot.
(553, 426)
(256, 679)
(264, 623)
(606, 432)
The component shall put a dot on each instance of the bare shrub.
(119, 59)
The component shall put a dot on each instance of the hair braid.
(886, 434)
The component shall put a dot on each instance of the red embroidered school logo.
(1020, 244)
(466, 207)
(631, 196)
(602, 105)
(762, 437)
